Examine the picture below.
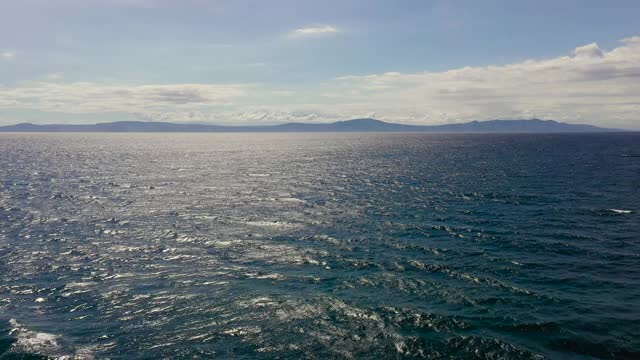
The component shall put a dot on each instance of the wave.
(49, 345)
(620, 211)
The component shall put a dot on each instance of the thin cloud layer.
(88, 97)
(7, 55)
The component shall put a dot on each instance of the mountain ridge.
(352, 125)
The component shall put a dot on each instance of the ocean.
(320, 246)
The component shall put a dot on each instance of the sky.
(274, 61)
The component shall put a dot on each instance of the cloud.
(251, 115)
(591, 50)
(314, 31)
(7, 55)
(88, 97)
(631, 40)
(54, 77)
(588, 85)
(591, 85)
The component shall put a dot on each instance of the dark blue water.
(389, 246)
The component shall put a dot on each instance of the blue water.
(388, 246)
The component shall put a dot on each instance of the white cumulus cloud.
(314, 31)
(591, 85)
(590, 50)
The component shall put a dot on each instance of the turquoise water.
(393, 246)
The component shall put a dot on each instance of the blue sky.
(423, 62)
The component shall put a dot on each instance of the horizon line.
(533, 125)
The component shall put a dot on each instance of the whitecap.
(242, 331)
(274, 276)
(225, 243)
(620, 211)
(42, 343)
(74, 285)
(274, 224)
(291, 200)
(328, 239)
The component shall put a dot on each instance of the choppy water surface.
(320, 246)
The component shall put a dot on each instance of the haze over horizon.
(259, 63)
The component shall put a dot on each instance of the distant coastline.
(354, 125)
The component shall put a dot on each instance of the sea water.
(320, 246)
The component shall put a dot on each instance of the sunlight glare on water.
(320, 246)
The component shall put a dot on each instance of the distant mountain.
(492, 126)
(355, 125)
